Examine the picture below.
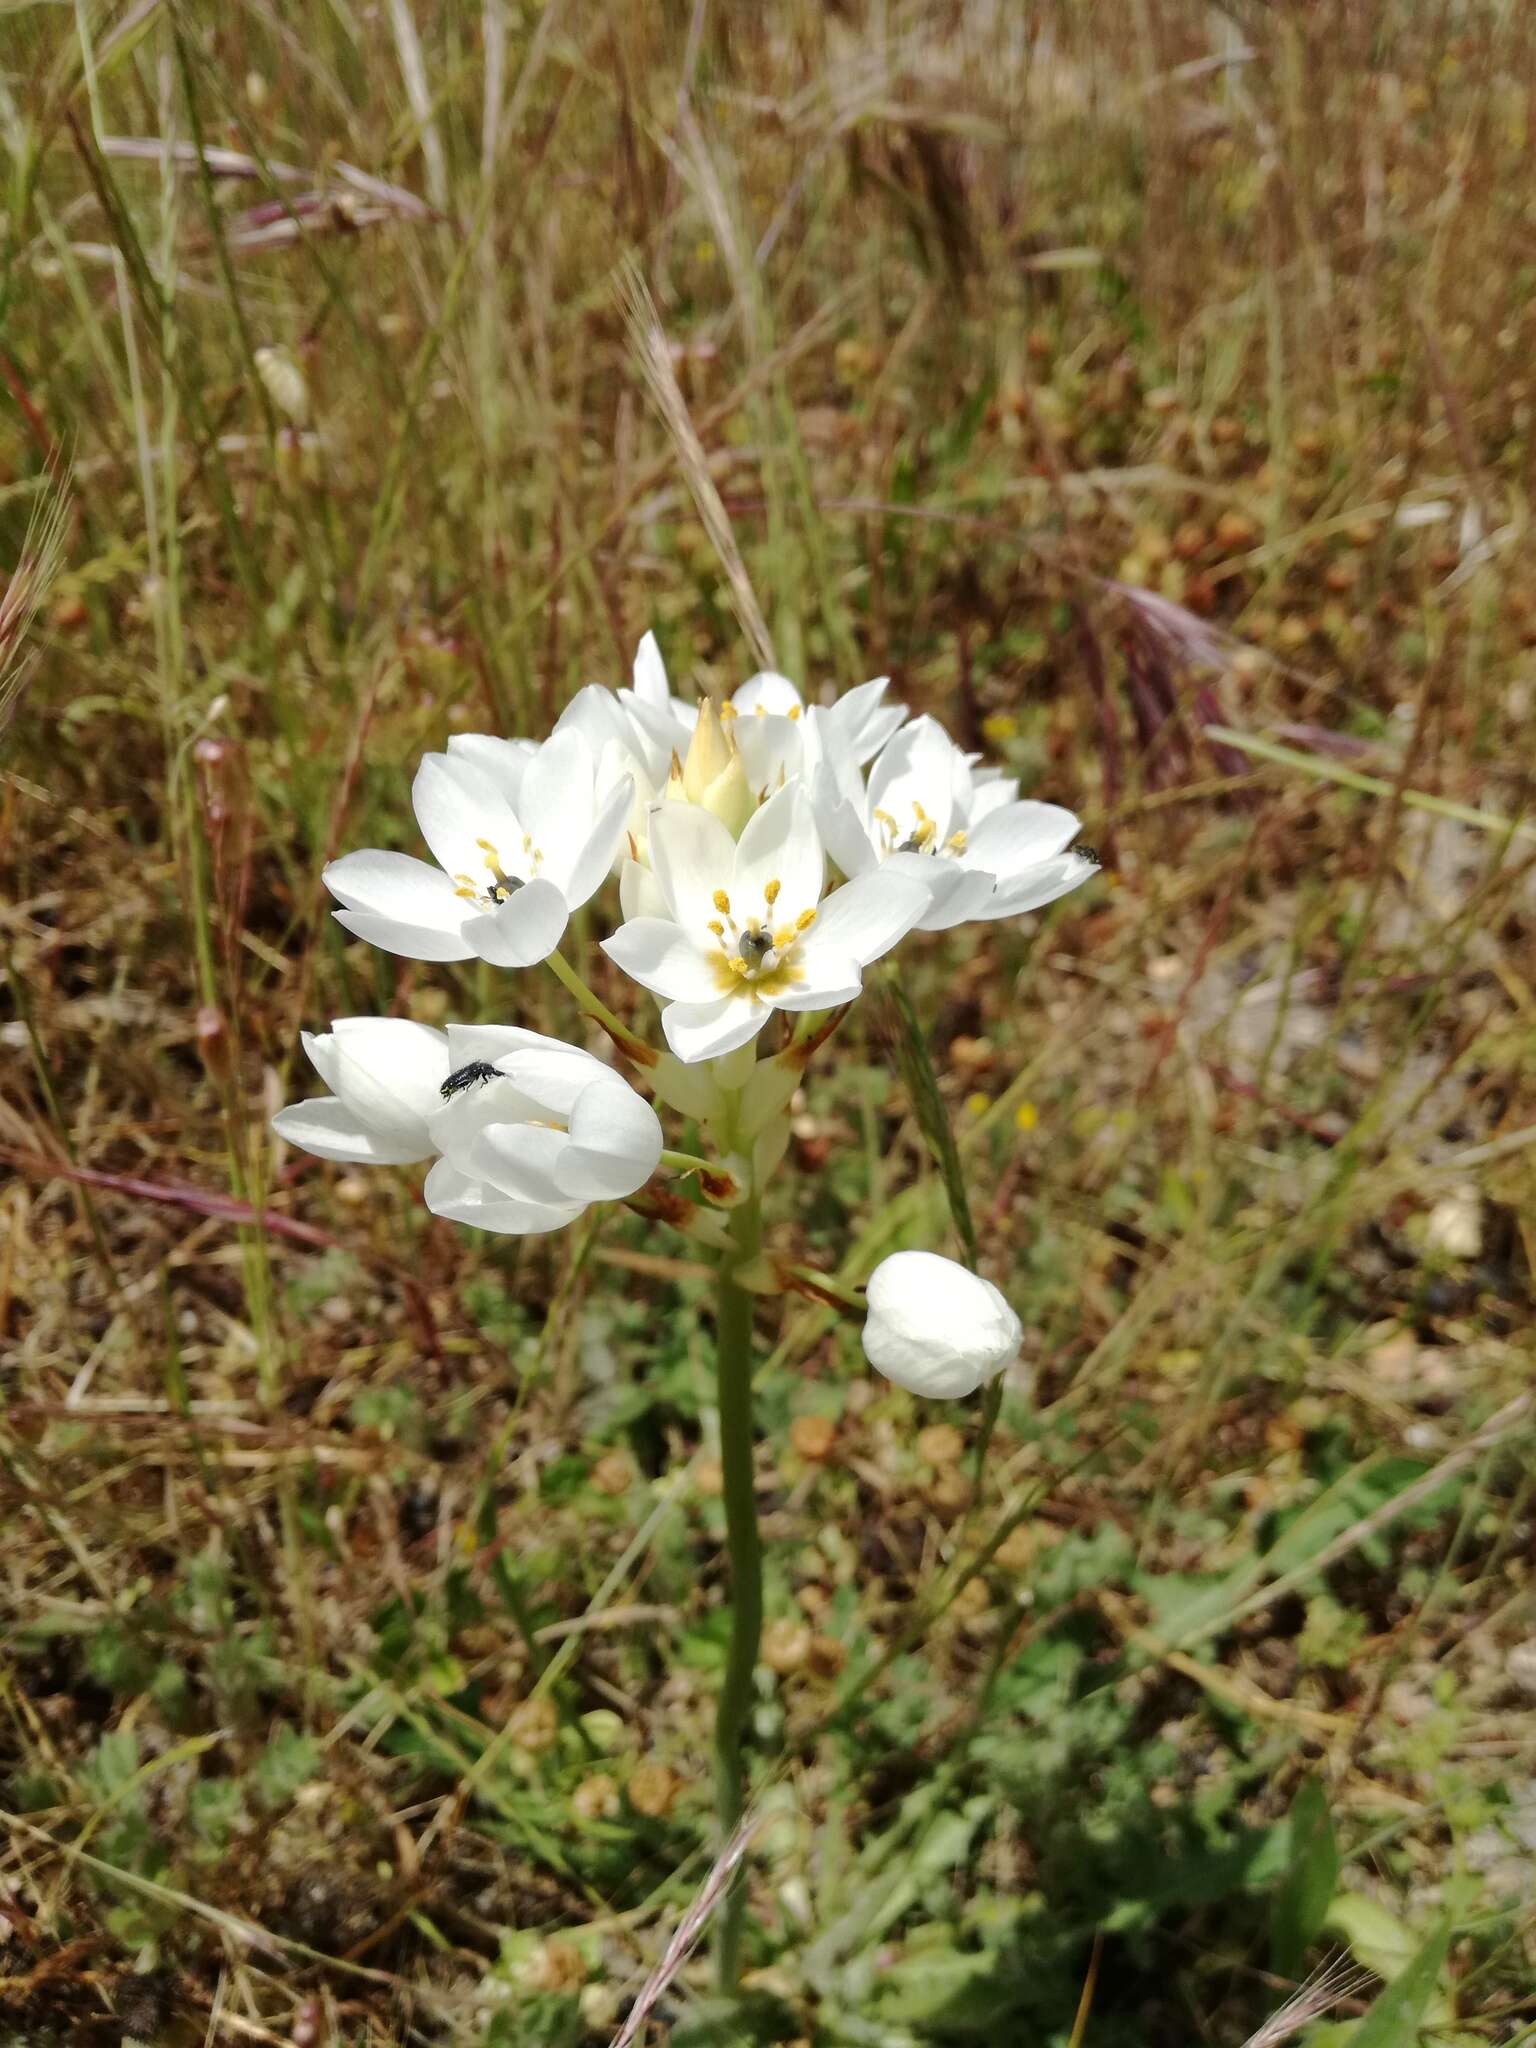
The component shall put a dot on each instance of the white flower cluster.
(719, 824)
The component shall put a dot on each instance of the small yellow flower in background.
(1026, 1116)
(978, 1104)
(999, 726)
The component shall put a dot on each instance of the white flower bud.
(935, 1328)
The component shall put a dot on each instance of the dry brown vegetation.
(1146, 388)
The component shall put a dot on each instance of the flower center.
(501, 885)
(922, 836)
(757, 953)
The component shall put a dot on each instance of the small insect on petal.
(466, 1077)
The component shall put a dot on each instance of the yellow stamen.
(784, 936)
(771, 893)
(923, 832)
(885, 818)
(716, 927)
(918, 812)
(794, 711)
(805, 920)
(956, 842)
(722, 902)
(729, 711)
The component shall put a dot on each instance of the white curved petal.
(662, 957)
(398, 886)
(772, 751)
(650, 674)
(454, 1195)
(504, 762)
(1020, 835)
(831, 979)
(547, 1070)
(915, 769)
(522, 930)
(1041, 885)
(331, 1130)
(615, 1143)
(558, 800)
(693, 855)
(640, 893)
(410, 941)
(842, 821)
(593, 860)
(389, 1069)
(779, 844)
(969, 895)
(768, 693)
(324, 1055)
(703, 1031)
(519, 1159)
(457, 805)
(863, 919)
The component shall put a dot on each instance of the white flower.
(743, 930)
(782, 737)
(528, 1132)
(935, 1328)
(932, 813)
(522, 836)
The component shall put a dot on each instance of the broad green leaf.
(1306, 1892)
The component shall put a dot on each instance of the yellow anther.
(918, 812)
(722, 902)
(794, 711)
(771, 893)
(956, 842)
(470, 895)
(492, 859)
(716, 927)
(805, 920)
(885, 818)
(784, 936)
(729, 710)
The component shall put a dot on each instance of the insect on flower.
(466, 1077)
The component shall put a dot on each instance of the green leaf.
(1306, 1891)
(287, 1764)
(1394, 2019)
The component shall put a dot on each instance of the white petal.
(1019, 835)
(779, 844)
(770, 693)
(969, 896)
(842, 820)
(457, 806)
(558, 800)
(452, 1194)
(772, 752)
(615, 1143)
(410, 941)
(523, 929)
(650, 674)
(863, 919)
(503, 762)
(693, 856)
(703, 1031)
(1041, 885)
(594, 857)
(662, 957)
(547, 1070)
(916, 770)
(598, 717)
(330, 1130)
(640, 892)
(400, 888)
(833, 978)
(520, 1159)
(324, 1055)
(935, 1328)
(390, 1070)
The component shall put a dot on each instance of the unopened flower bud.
(935, 1328)
(711, 774)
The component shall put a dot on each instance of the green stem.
(733, 1368)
